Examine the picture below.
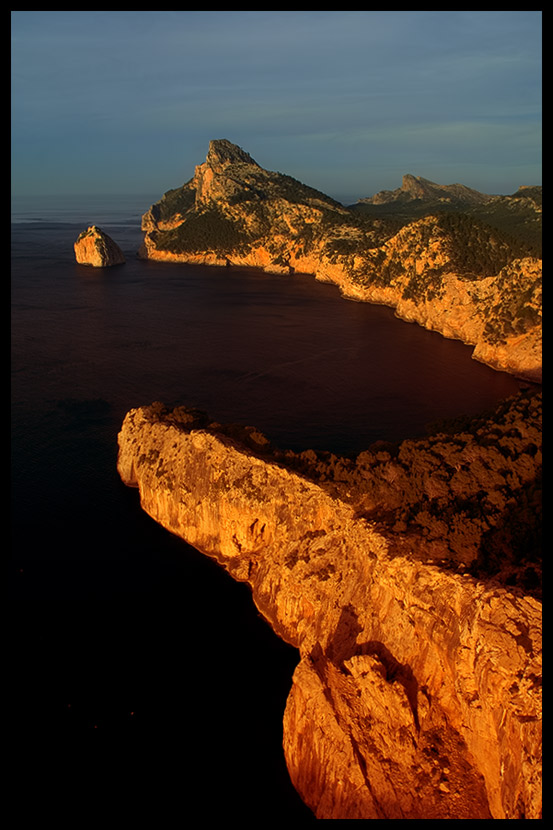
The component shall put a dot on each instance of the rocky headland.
(94, 247)
(464, 264)
(407, 577)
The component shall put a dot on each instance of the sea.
(144, 681)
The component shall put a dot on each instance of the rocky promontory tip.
(94, 247)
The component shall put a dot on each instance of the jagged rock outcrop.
(447, 272)
(94, 247)
(417, 694)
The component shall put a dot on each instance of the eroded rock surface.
(94, 247)
(417, 694)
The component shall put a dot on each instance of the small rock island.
(94, 247)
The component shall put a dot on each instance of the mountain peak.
(223, 152)
(417, 188)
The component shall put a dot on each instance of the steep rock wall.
(417, 694)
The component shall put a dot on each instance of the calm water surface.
(112, 614)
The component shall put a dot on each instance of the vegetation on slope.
(516, 306)
(468, 496)
(422, 253)
(517, 217)
(209, 229)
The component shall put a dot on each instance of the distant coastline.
(441, 268)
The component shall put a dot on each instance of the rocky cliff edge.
(417, 694)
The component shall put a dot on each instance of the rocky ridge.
(517, 216)
(416, 188)
(417, 694)
(448, 272)
(94, 247)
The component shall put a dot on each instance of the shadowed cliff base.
(401, 578)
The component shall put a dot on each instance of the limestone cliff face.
(94, 247)
(417, 694)
(447, 273)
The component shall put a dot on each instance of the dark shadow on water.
(136, 684)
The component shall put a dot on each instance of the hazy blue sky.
(127, 102)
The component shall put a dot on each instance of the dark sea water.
(142, 672)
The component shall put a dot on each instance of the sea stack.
(96, 248)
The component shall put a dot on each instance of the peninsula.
(464, 264)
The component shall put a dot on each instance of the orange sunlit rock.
(418, 691)
(94, 247)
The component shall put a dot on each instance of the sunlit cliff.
(407, 578)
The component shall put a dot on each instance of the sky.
(347, 102)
